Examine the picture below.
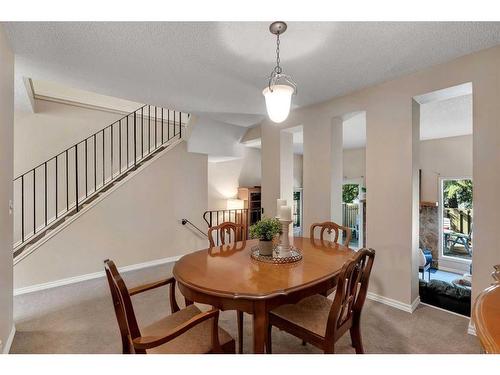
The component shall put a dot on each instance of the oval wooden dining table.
(228, 278)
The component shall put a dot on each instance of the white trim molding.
(453, 265)
(10, 339)
(415, 304)
(90, 276)
(471, 329)
(449, 263)
(410, 308)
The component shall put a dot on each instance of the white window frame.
(446, 262)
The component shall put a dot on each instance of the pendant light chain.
(278, 67)
(277, 76)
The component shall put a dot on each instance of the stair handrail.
(128, 149)
(92, 136)
(186, 221)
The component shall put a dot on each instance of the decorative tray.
(294, 256)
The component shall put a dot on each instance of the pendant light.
(281, 87)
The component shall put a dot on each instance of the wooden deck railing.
(350, 217)
(460, 220)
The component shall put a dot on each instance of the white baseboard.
(90, 276)
(415, 304)
(8, 343)
(471, 329)
(394, 303)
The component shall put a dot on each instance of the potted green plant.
(265, 230)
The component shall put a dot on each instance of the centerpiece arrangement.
(267, 230)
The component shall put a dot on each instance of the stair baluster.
(53, 213)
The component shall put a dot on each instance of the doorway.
(298, 205)
(443, 150)
(352, 212)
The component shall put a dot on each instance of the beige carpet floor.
(79, 318)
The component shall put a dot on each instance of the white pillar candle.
(285, 213)
(279, 203)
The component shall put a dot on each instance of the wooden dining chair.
(330, 226)
(235, 232)
(321, 321)
(221, 230)
(185, 330)
(227, 250)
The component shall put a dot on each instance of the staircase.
(58, 189)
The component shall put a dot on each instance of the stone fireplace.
(429, 231)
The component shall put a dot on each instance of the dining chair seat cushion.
(311, 313)
(197, 340)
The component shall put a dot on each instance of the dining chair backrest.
(122, 303)
(227, 230)
(330, 226)
(350, 295)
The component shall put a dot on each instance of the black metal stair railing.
(58, 187)
(238, 216)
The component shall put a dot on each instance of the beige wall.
(6, 175)
(225, 177)
(52, 129)
(286, 170)
(138, 222)
(443, 157)
(336, 169)
(298, 162)
(390, 165)
(55, 127)
(354, 163)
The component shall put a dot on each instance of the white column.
(270, 166)
(286, 167)
(277, 167)
(336, 170)
(323, 173)
(486, 179)
(389, 195)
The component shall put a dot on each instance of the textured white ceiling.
(354, 131)
(450, 117)
(446, 118)
(221, 68)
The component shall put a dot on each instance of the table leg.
(259, 328)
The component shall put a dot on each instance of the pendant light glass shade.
(278, 101)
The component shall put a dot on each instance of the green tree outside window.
(349, 192)
(457, 194)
